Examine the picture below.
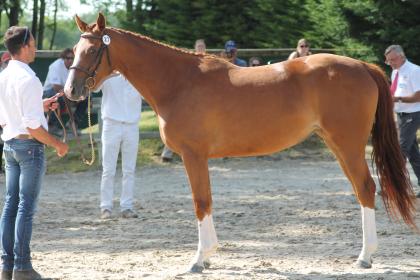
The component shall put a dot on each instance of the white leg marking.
(370, 239)
(207, 241)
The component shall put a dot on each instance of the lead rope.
(58, 116)
(90, 130)
(73, 125)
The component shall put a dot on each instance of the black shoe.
(26, 275)
(6, 274)
(166, 159)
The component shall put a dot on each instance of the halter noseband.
(90, 81)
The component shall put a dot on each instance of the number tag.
(106, 39)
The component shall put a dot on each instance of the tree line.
(358, 28)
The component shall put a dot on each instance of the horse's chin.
(77, 96)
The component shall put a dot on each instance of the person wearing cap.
(230, 54)
(25, 132)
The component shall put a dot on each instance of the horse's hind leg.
(353, 162)
(198, 174)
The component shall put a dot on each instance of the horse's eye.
(92, 51)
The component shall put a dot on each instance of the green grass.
(149, 150)
(148, 121)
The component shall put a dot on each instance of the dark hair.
(254, 58)
(16, 37)
(65, 52)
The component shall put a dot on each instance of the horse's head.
(92, 62)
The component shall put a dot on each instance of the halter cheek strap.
(105, 40)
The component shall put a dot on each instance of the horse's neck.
(151, 68)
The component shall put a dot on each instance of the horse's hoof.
(207, 264)
(363, 264)
(196, 268)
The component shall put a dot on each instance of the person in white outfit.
(121, 109)
(54, 83)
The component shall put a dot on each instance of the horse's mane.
(143, 37)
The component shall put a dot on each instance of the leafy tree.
(381, 23)
(259, 23)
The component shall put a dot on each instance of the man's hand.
(62, 149)
(43, 136)
(51, 103)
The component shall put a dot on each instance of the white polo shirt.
(20, 100)
(408, 83)
(57, 74)
(120, 100)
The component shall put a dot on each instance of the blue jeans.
(25, 167)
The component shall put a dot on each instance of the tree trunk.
(54, 24)
(34, 18)
(14, 12)
(129, 7)
(2, 8)
(41, 26)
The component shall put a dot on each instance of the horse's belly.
(258, 141)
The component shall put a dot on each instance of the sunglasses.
(69, 57)
(304, 46)
(26, 35)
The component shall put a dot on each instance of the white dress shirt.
(120, 100)
(21, 104)
(408, 83)
(57, 74)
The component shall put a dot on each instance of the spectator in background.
(54, 83)
(5, 58)
(254, 61)
(121, 109)
(302, 49)
(200, 48)
(405, 89)
(230, 53)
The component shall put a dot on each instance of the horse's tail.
(397, 192)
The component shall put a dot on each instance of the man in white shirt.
(405, 88)
(120, 108)
(54, 83)
(24, 133)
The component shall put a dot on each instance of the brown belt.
(24, 136)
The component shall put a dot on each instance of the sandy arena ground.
(276, 218)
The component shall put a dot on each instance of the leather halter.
(90, 80)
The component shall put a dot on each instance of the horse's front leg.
(198, 174)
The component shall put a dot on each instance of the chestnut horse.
(210, 108)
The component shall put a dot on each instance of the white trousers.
(115, 136)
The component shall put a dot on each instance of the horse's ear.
(81, 24)
(101, 22)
